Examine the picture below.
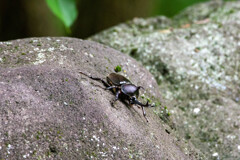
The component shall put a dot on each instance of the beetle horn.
(140, 87)
(149, 105)
(146, 103)
(135, 101)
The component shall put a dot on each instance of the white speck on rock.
(215, 154)
(42, 50)
(103, 154)
(62, 47)
(8, 43)
(40, 59)
(10, 146)
(90, 55)
(96, 138)
(51, 49)
(36, 49)
(196, 110)
(196, 87)
(231, 136)
(61, 59)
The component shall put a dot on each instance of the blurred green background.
(33, 18)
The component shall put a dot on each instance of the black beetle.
(122, 87)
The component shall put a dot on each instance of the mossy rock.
(195, 59)
(48, 110)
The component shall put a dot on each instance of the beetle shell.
(116, 79)
(130, 89)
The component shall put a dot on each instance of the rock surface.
(195, 59)
(50, 111)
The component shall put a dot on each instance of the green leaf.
(65, 10)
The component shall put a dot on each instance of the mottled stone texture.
(195, 58)
(48, 110)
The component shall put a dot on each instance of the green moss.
(105, 132)
(6, 134)
(149, 100)
(231, 11)
(24, 135)
(158, 103)
(4, 59)
(118, 68)
(48, 153)
(50, 97)
(94, 154)
(34, 153)
(38, 135)
(108, 59)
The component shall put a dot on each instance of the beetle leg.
(133, 100)
(95, 78)
(117, 95)
(130, 103)
(111, 87)
(144, 113)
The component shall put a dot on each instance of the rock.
(48, 110)
(195, 60)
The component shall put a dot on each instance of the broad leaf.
(65, 10)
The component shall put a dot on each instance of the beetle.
(121, 86)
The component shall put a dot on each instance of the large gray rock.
(50, 111)
(195, 60)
